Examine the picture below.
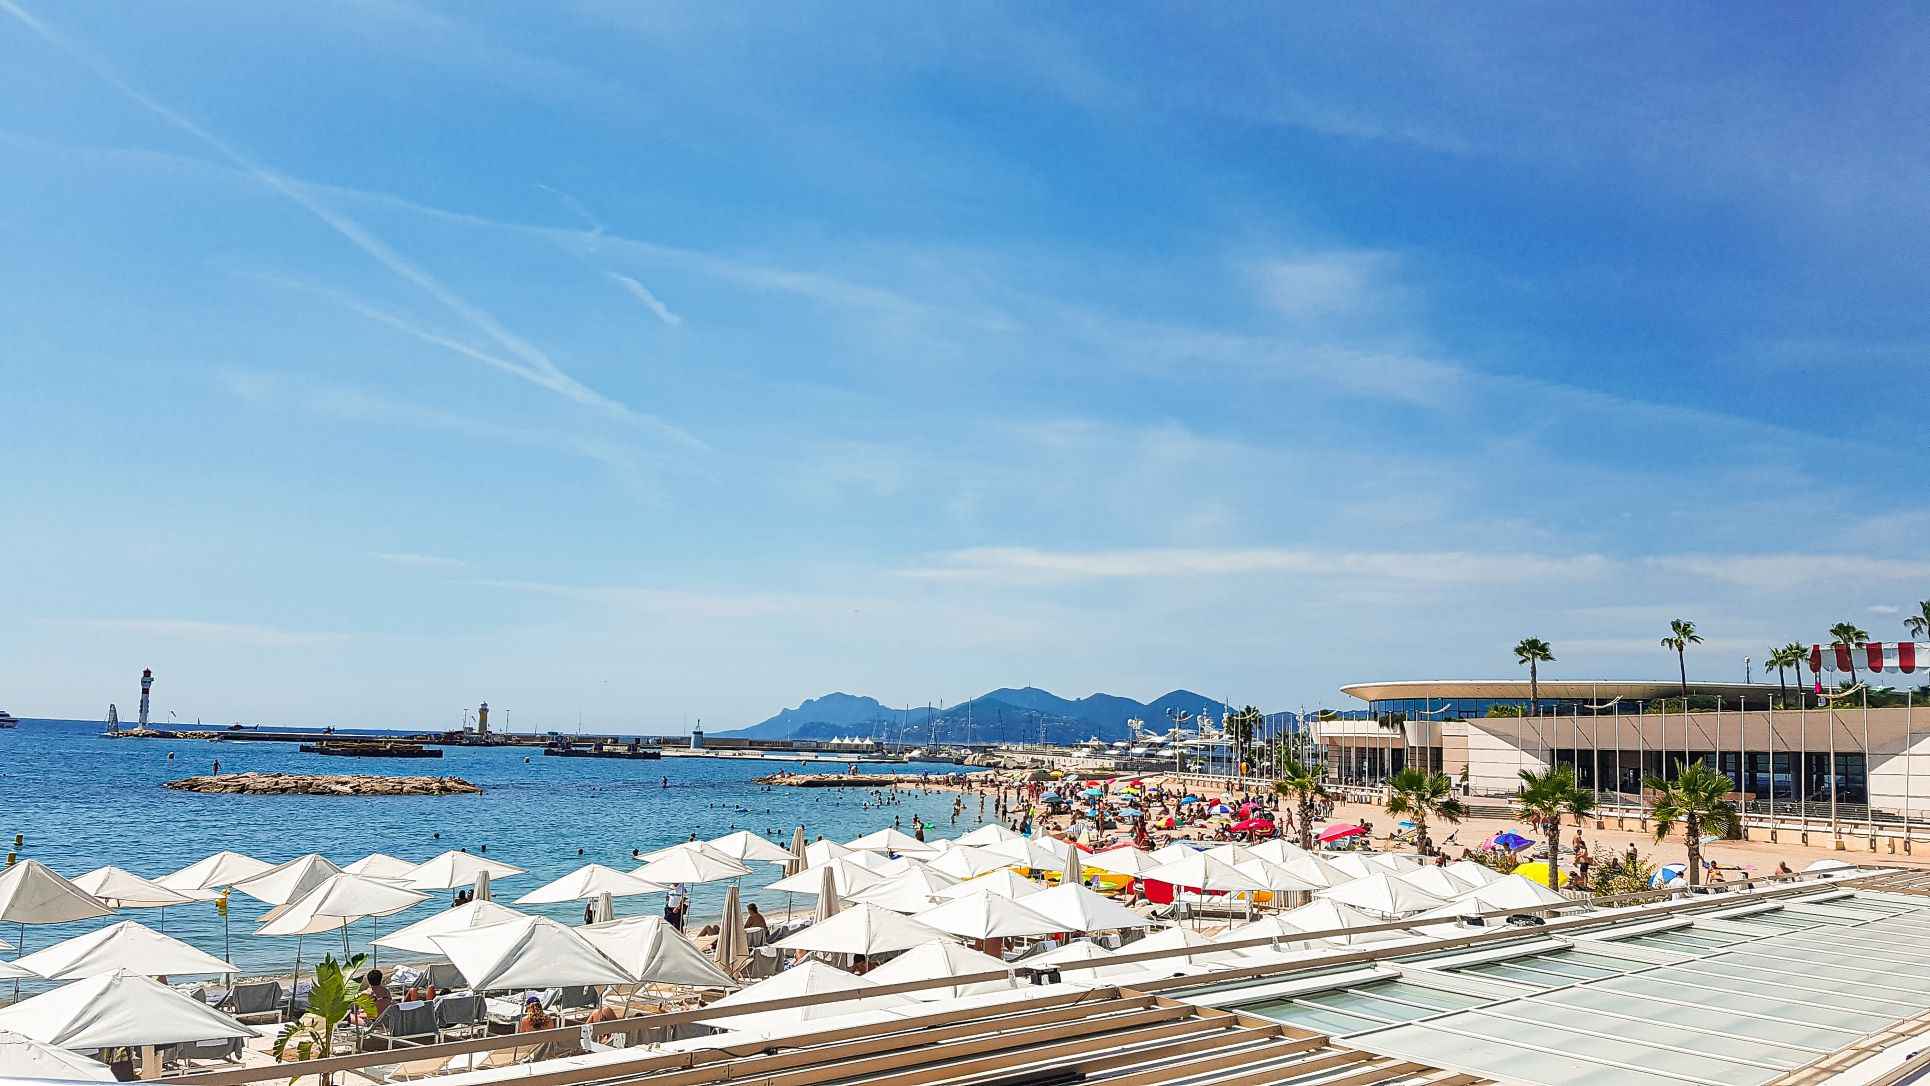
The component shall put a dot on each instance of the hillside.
(1004, 715)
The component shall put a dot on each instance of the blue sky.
(367, 360)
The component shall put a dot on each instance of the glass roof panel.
(1761, 1002)
(1522, 1060)
(1650, 1033)
(1779, 1031)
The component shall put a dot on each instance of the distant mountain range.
(1004, 715)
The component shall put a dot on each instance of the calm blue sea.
(82, 801)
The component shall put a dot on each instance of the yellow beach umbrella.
(1537, 871)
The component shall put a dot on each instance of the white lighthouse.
(147, 683)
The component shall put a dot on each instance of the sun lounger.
(259, 998)
(446, 977)
(455, 1012)
(413, 1023)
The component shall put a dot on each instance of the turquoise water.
(82, 801)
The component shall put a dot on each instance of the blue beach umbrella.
(1668, 874)
(1050, 797)
(1132, 812)
(1189, 799)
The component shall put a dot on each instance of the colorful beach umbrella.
(1340, 832)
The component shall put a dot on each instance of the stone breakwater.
(297, 784)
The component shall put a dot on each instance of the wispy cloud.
(650, 301)
(421, 561)
(181, 629)
(1780, 571)
(1885, 609)
(1026, 564)
(535, 366)
(1341, 283)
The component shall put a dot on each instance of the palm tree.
(1698, 798)
(1919, 623)
(1798, 653)
(1299, 781)
(1423, 795)
(1681, 635)
(1781, 659)
(1852, 635)
(334, 994)
(1533, 651)
(1543, 799)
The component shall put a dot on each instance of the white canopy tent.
(127, 946)
(655, 952)
(454, 870)
(1075, 908)
(747, 847)
(288, 881)
(1004, 882)
(23, 1058)
(986, 915)
(691, 862)
(214, 872)
(120, 888)
(417, 938)
(338, 901)
(532, 952)
(586, 882)
(943, 958)
(118, 1009)
(862, 929)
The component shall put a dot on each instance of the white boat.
(8, 720)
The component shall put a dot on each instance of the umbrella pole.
(16, 957)
(295, 980)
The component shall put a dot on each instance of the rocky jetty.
(301, 784)
(856, 780)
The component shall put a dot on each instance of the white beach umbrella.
(1472, 873)
(805, 979)
(1436, 881)
(214, 872)
(1276, 927)
(32, 893)
(531, 952)
(1315, 869)
(1078, 950)
(797, 861)
(1277, 850)
(693, 862)
(417, 937)
(1383, 894)
(586, 882)
(847, 877)
(889, 840)
(821, 852)
(861, 928)
(828, 901)
(893, 868)
(1355, 865)
(22, 1058)
(380, 865)
(1165, 939)
(1202, 872)
(747, 847)
(911, 892)
(990, 834)
(1510, 892)
(1178, 850)
(1004, 882)
(1125, 860)
(964, 862)
(289, 881)
(128, 946)
(1071, 872)
(653, 951)
(733, 940)
(986, 915)
(456, 869)
(943, 958)
(8, 971)
(1233, 852)
(118, 1009)
(1274, 877)
(1075, 908)
(1032, 852)
(1325, 914)
(339, 900)
(1827, 865)
(1396, 862)
(120, 888)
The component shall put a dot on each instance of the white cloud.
(1329, 284)
(650, 301)
(1885, 609)
(1780, 571)
(1030, 565)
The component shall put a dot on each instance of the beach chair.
(213, 995)
(576, 997)
(455, 1012)
(409, 1023)
(228, 1050)
(259, 998)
